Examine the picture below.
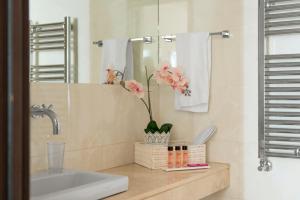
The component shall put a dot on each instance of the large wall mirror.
(66, 36)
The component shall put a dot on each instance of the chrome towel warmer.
(50, 37)
(279, 84)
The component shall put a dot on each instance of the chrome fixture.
(41, 111)
(264, 165)
(278, 99)
(167, 38)
(50, 37)
(146, 40)
(171, 38)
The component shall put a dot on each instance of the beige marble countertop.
(157, 184)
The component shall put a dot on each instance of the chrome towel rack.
(171, 38)
(167, 38)
(146, 40)
(47, 38)
(279, 84)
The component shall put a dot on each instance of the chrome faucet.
(41, 111)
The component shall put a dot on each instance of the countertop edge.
(172, 186)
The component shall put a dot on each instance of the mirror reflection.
(69, 40)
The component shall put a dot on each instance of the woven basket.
(197, 153)
(151, 156)
(156, 156)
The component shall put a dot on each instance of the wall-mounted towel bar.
(171, 38)
(146, 40)
(279, 83)
(48, 38)
(167, 38)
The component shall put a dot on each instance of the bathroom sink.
(76, 185)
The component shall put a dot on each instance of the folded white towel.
(117, 53)
(193, 51)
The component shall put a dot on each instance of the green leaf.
(166, 128)
(152, 127)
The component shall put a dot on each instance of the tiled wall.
(99, 124)
(226, 108)
(233, 99)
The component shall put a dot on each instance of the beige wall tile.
(227, 103)
(117, 154)
(84, 159)
(38, 163)
(41, 128)
(92, 117)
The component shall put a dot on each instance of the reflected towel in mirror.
(117, 54)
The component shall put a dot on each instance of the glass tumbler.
(56, 152)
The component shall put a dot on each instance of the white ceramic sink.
(76, 185)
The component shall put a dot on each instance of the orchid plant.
(172, 77)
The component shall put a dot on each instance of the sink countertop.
(158, 184)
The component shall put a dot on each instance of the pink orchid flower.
(174, 78)
(135, 87)
(160, 75)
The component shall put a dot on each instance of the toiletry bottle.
(178, 156)
(170, 157)
(185, 156)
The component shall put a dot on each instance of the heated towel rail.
(279, 83)
(49, 38)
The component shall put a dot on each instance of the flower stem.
(148, 106)
(120, 73)
(143, 100)
(149, 97)
(149, 111)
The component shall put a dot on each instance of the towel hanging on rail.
(117, 53)
(194, 58)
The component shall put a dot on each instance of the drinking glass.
(56, 156)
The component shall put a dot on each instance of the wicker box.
(156, 156)
(151, 156)
(197, 153)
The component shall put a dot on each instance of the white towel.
(193, 51)
(117, 53)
